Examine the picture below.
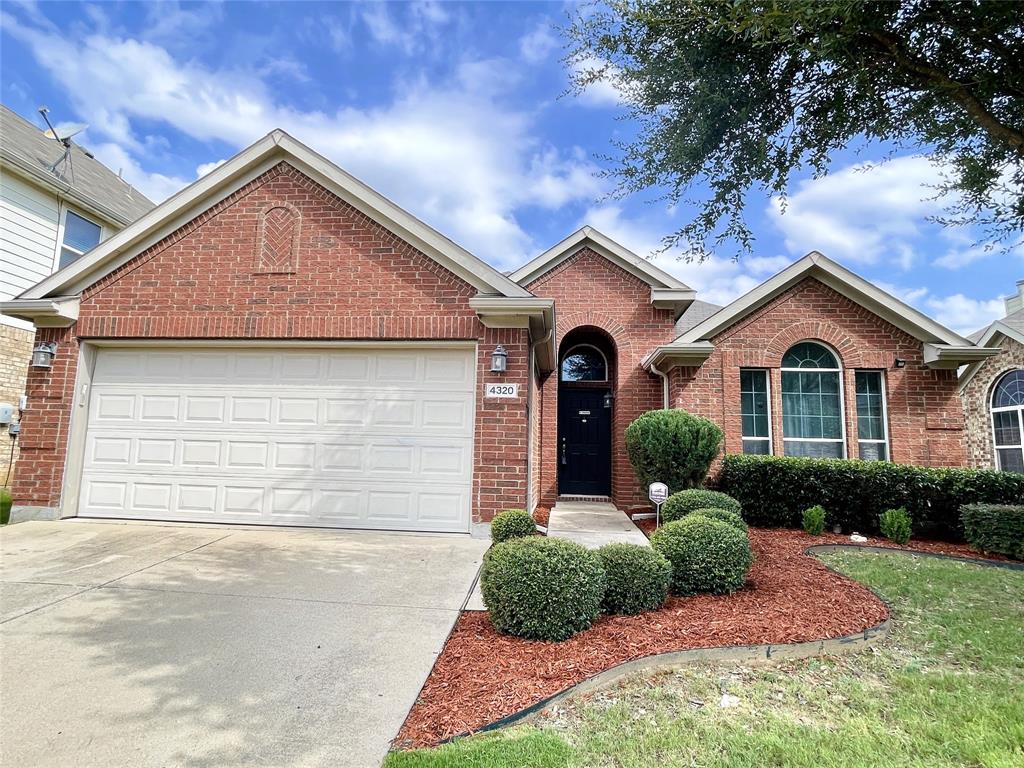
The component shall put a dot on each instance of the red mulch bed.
(790, 597)
(920, 545)
(540, 516)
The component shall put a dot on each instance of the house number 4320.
(501, 390)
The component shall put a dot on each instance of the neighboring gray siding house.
(48, 219)
(993, 393)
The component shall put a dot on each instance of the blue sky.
(458, 112)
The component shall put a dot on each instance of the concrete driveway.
(161, 645)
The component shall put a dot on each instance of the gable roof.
(1009, 327)
(92, 186)
(250, 163)
(942, 347)
(666, 291)
(697, 312)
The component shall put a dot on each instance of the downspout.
(530, 437)
(664, 384)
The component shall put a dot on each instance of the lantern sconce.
(499, 360)
(43, 354)
(609, 399)
(899, 362)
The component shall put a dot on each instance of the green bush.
(995, 528)
(774, 491)
(814, 520)
(706, 555)
(5, 506)
(716, 513)
(541, 588)
(672, 447)
(679, 505)
(895, 525)
(636, 578)
(512, 524)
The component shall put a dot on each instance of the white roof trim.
(679, 355)
(843, 281)
(604, 245)
(988, 340)
(58, 312)
(955, 355)
(239, 170)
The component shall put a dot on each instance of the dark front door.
(584, 442)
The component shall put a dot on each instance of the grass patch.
(944, 690)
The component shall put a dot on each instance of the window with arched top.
(584, 362)
(1008, 421)
(812, 402)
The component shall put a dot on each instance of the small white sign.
(658, 492)
(501, 390)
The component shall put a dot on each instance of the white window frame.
(885, 413)
(842, 399)
(59, 248)
(992, 410)
(768, 394)
(572, 349)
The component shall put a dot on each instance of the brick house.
(279, 344)
(992, 391)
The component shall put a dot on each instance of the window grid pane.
(80, 234)
(1009, 391)
(754, 402)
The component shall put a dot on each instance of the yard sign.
(657, 492)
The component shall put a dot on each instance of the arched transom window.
(1008, 421)
(812, 402)
(584, 363)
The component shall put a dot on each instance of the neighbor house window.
(812, 397)
(80, 235)
(1008, 421)
(872, 442)
(755, 411)
(584, 363)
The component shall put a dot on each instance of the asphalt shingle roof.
(28, 144)
(696, 313)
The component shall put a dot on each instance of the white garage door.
(365, 438)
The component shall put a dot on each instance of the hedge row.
(995, 528)
(775, 490)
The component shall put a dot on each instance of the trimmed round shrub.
(636, 578)
(814, 520)
(679, 505)
(895, 525)
(672, 447)
(724, 515)
(706, 555)
(540, 588)
(512, 524)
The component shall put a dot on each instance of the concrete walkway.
(593, 524)
(159, 645)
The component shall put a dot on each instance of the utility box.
(6, 414)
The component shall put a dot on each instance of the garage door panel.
(364, 438)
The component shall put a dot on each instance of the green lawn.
(947, 689)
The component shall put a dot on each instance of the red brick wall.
(342, 277)
(591, 292)
(925, 420)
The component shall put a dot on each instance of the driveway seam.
(111, 581)
(110, 585)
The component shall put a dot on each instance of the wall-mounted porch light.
(899, 362)
(499, 360)
(609, 399)
(43, 354)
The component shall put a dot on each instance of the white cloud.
(535, 46)
(455, 153)
(860, 213)
(413, 33)
(957, 312)
(715, 279)
(600, 93)
(204, 168)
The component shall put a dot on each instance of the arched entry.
(586, 389)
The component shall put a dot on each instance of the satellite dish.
(65, 131)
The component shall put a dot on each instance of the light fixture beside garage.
(499, 360)
(609, 399)
(43, 354)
